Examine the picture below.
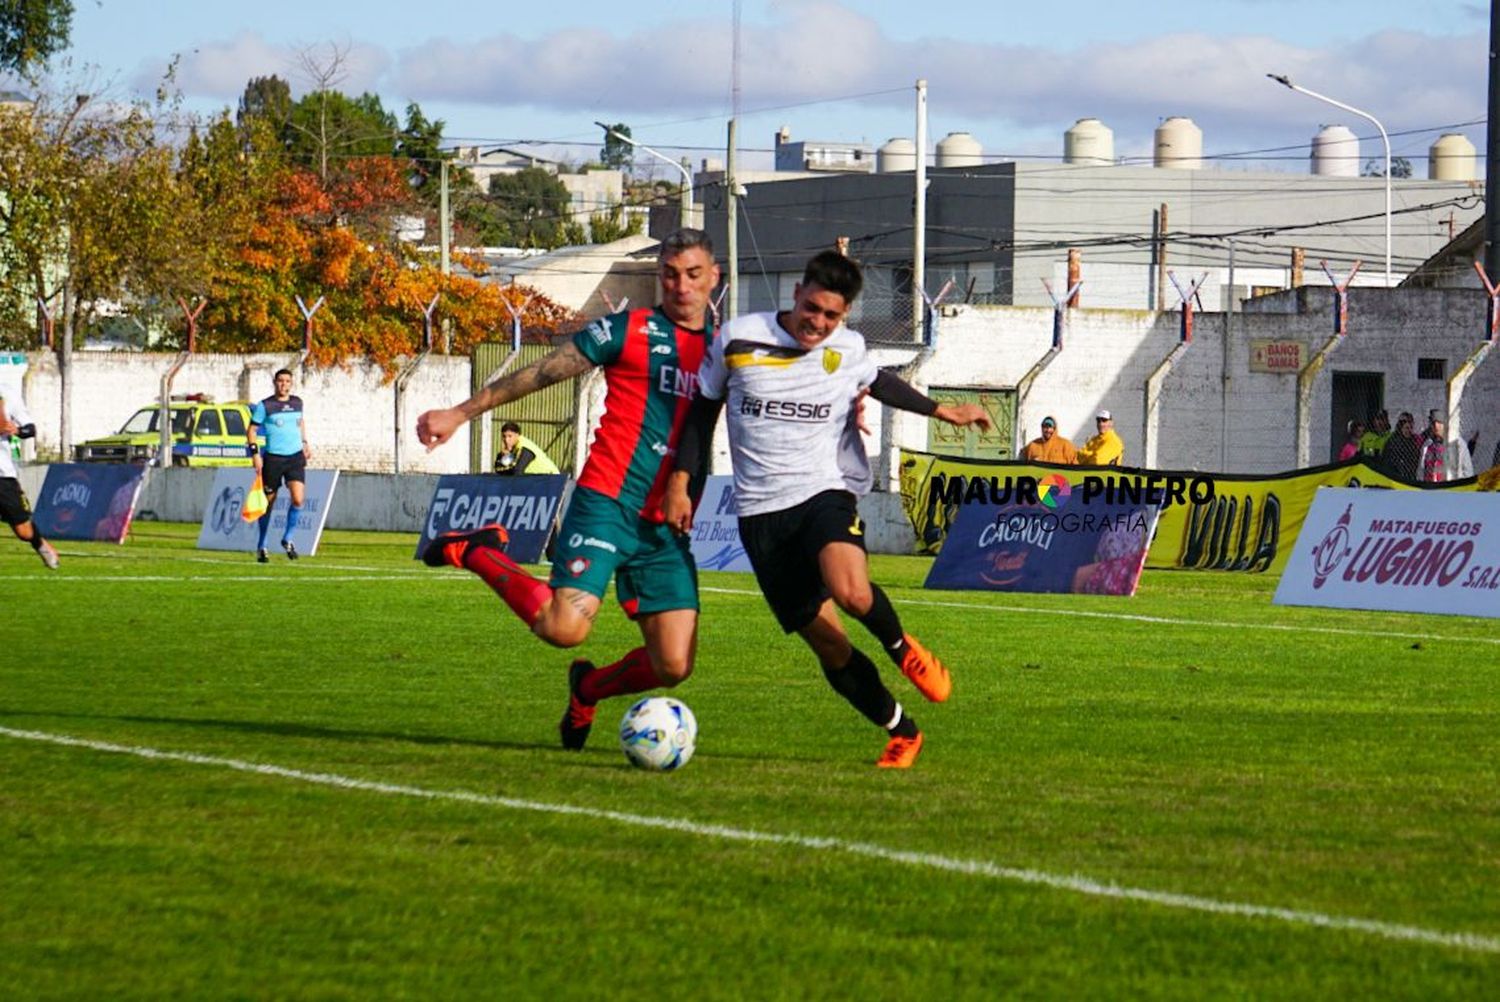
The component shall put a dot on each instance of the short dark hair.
(836, 273)
(282, 372)
(684, 239)
(510, 426)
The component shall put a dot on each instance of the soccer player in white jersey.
(15, 511)
(790, 380)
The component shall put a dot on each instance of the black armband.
(896, 392)
(252, 449)
(26, 431)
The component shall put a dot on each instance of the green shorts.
(652, 566)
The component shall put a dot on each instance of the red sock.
(523, 593)
(632, 673)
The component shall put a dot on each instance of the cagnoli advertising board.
(1397, 550)
(223, 529)
(88, 500)
(1064, 542)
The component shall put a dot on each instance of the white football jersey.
(16, 411)
(790, 411)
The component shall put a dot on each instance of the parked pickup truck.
(204, 433)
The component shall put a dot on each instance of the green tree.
(266, 99)
(531, 207)
(326, 128)
(616, 153)
(606, 227)
(90, 210)
(1400, 168)
(420, 144)
(31, 32)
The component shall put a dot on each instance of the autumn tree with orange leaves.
(335, 240)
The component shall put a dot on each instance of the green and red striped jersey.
(650, 375)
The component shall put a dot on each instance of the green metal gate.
(971, 442)
(546, 416)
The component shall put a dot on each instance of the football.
(658, 733)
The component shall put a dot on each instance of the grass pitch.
(339, 778)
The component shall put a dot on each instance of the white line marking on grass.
(931, 861)
(1166, 620)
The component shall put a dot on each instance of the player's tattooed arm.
(563, 362)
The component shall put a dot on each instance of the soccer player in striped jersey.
(790, 380)
(614, 525)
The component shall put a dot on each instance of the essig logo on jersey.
(796, 411)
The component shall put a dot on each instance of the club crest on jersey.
(831, 361)
(577, 566)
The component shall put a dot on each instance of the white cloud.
(818, 50)
(220, 69)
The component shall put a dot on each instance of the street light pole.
(686, 210)
(1286, 81)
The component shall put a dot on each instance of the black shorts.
(276, 469)
(783, 547)
(13, 507)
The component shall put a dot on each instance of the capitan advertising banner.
(224, 529)
(716, 529)
(1209, 521)
(1403, 551)
(1063, 543)
(526, 506)
(88, 501)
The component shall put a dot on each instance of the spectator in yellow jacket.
(1106, 447)
(1051, 447)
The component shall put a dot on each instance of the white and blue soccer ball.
(659, 733)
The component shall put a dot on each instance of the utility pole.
(1161, 257)
(1492, 154)
(732, 223)
(919, 217)
(444, 223)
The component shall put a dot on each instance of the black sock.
(884, 625)
(859, 683)
(36, 541)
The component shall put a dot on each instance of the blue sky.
(1015, 75)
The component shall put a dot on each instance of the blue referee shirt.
(281, 421)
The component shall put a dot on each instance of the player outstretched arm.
(893, 391)
(563, 362)
(692, 457)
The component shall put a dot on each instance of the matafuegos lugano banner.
(1399, 551)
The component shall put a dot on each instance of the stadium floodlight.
(1286, 81)
(687, 178)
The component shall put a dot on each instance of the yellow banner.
(1209, 521)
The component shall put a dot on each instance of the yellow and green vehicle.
(204, 433)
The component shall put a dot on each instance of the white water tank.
(1089, 141)
(1335, 152)
(959, 149)
(1179, 144)
(1451, 158)
(896, 154)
